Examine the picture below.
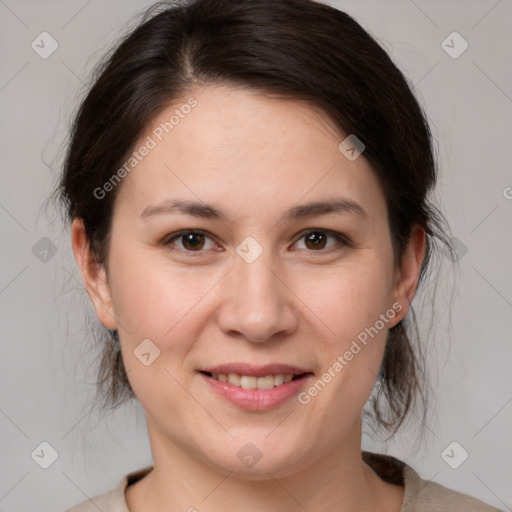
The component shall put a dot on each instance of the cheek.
(354, 306)
(150, 298)
(348, 300)
(161, 305)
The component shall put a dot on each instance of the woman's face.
(269, 285)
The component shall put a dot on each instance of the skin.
(253, 157)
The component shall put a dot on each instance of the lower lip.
(256, 399)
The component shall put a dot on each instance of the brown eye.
(191, 241)
(316, 241)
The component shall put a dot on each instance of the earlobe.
(409, 272)
(93, 275)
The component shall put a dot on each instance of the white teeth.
(250, 382)
(265, 382)
(234, 379)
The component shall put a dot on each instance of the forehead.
(236, 147)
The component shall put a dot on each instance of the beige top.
(419, 495)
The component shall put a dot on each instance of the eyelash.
(343, 241)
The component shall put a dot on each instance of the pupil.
(189, 239)
(311, 237)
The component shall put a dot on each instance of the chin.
(261, 459)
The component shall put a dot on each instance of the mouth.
(252, 382)
(255, 388)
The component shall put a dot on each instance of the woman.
(247, 184)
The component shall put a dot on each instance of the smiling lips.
(256, 387)
(250, 382)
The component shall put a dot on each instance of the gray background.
(48, 368)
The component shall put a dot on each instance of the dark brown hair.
(294, 49)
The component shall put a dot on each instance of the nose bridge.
(258, 305)
(257, 280)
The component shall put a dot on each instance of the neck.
(336, 481)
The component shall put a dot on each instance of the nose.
(257, 303)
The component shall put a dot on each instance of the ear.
(407, 276)
(93, 275)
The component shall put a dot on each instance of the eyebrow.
(206, 211)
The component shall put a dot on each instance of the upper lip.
(255, 370)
